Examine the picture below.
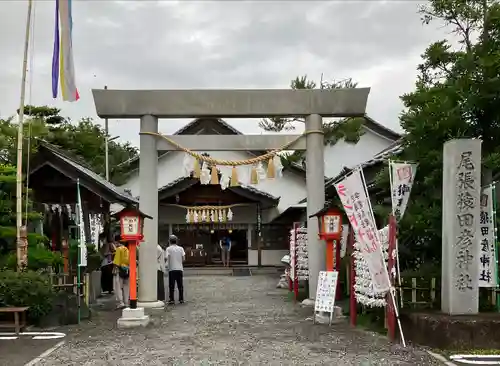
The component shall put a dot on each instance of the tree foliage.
(457, 96)
(84, 141)
(348, 129)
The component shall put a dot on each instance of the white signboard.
(325, 292)
(487, 240)
(402, 176)
(332, 224)
(130, 225)
(354, 198)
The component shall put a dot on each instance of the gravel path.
(229, 321)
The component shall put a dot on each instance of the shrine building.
(257, 217)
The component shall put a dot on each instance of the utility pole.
(20, 247)
(106, 143)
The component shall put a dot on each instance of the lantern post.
(131, 230)
(330, 230)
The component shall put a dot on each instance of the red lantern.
(330, 230)
(131, 223)
(131, 229)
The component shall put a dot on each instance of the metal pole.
(106, 143)
(19, 172)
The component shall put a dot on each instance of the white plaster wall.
(343, 154)
(268, 258)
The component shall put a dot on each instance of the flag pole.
(19, 167)
(79, 257)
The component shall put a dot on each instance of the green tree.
(456, 96)
(348, 129)
(84, 140)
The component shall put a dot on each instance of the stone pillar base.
(133, 318)
(308, 302)
(151, 304)
(324, 318)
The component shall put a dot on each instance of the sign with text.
(325, 292)
(130, 225)
(487, 240)
(402, 176)
(354, 197)
(461, 214)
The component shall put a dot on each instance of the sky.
(185, 44)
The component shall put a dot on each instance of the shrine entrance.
(150, 105)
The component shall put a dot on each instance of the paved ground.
(21, 351)
(229, 321)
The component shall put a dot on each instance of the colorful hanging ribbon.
(62, 56)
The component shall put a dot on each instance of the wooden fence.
(425, 293)
(89, 284)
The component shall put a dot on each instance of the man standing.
(160, 253)
(121, 274)
(175, 258)
(225, 250)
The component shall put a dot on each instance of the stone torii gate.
(149, 105)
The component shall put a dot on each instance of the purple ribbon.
(55, 55)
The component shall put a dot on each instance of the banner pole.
(494, 219)
(79, 259)
(396, 312)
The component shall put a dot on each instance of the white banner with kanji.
(487, 239)
(402, 177)
(354, 197)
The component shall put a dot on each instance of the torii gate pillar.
(315, 184)
(149, 105)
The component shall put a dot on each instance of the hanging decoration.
(63, 68)
(208, 214)
(249, 172)
(298, 253)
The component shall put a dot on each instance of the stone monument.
(460, 239)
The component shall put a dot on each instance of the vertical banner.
(343, 240)
(487, 240)
(82, 247)
(354, 197)
(402, 176)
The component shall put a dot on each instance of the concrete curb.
(441, 358)
(36, 360)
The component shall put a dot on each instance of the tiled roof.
(250, 189)
(220, 121)
(119, 193)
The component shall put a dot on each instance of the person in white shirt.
(160, 253)
(175, 259)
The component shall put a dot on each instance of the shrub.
(38, 258)
(27, 288)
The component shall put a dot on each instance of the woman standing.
(106, 250)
